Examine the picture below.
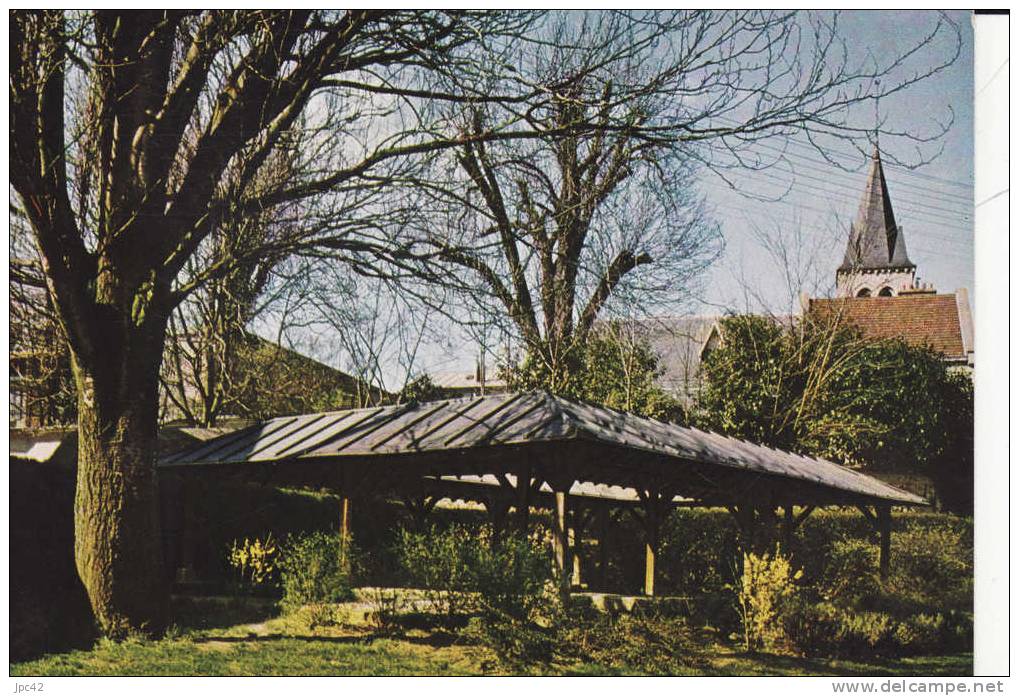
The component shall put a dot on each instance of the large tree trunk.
(118, 549)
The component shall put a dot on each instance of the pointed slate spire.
(875, 241)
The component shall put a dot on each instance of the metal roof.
(514, 419)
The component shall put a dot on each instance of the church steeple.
(876, 261)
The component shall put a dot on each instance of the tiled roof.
(921, 319)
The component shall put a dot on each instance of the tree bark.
(116, 510)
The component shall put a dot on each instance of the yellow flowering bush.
(766, 585)
(255, 559)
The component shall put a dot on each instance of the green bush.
(717, 610)
(441, 562)
(851, 572)
(507, 587)
(387, 607)
(312, 571)
(866, 634)
(519, 609)
(933, 564)
(642, 641)
(514, 579)
(697, 552)
(920, 634)
(813, 629)
(828, 630)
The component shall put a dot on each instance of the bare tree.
(208, 330)
(123, 127)
(41, 389)
(602, 208)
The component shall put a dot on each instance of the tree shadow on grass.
(769, 664)
(438, 640)
(221, 612)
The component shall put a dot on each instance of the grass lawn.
(245, 638)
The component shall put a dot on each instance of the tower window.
(885, 292)
(864, 292)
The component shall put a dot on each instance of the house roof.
(679, 344)
(875, 241)
(941, 322)
(571, 440)
(464, 379)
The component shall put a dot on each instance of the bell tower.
(876, 263)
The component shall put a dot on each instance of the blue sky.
(933, 203)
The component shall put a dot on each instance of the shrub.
(518, 603)
(387, 605)
(851, 572)
(716, 609)
(441, 562)
(933, 564)
(697, 553)
(312, 572)
(957, 632)
(828, 630)
(866, 634)
(507, 586)
(813, 629)
(644, 641)
(920, 634)
(765, 588)
(514, 579)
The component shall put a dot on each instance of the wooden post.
(344, 532)
(884, 523)
(497, 509)
(650, 547)
(523, 500)
(185, 570)
(603, 546)
(788, 525)
(576, 536)
(652, 527)
(561, 541)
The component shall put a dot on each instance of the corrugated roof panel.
(534, 417)
(322, 432)
(355, 439)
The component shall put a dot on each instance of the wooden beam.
(868, 514)
(745, 521)
(804, 514)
